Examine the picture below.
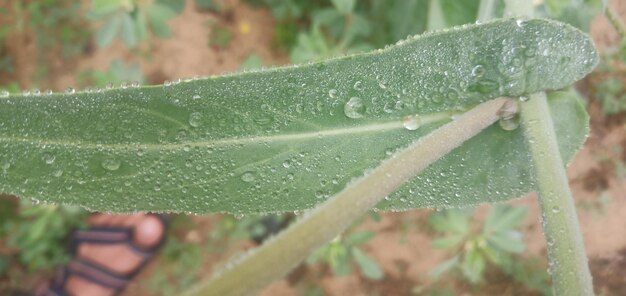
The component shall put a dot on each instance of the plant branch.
(616, 22)
(486, 10)
(566, 250)
(279, 255)
(436, 19)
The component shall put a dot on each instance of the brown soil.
(401, 245)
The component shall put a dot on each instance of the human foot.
(108, 255)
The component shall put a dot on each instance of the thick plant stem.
(436, 20)
(279, 255)
(615, 21)
(486, 10)
(566, 250)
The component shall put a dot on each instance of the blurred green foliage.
(117, 74)
(344, 252)
(133, 21)
(35, 236)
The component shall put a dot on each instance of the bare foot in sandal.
(108, 255)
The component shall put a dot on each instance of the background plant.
(305, 26)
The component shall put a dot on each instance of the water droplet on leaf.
(48, 158)
(354, 108)
(332, 93)
(195, 119)
(111, 164)
(478, 71)
(411, 122)
(248, 177)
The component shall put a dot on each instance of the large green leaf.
(286, 139)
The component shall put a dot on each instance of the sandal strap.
(97, 274)
(99, 235)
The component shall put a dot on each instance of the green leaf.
(448, 241)
(344, 6)
(455, 221)
(503, 218)
(253, 61)
(460, 12)
(407, 17)
(509, 241)
(129, 32)
(107, 33)
(473, 265)
(444, 267)
(359, 237)
(368, 266)
(158, 14)
(286, 139)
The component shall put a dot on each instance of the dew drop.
(354, 108)
(509, 117)
(4, 93)
(111, 164)
(478, 71)
(58, 173)
(521, 23)
(48, 92)
(48, 158)
(524, 99)
(411, 122)
(358, 86)
(332, 93)
(70, 90)
(556, 209)
(195, 97)
(109, 86)
(287, 164)
(195, 119)
(248, 177)
(510, 123)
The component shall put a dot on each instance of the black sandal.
(96, 273)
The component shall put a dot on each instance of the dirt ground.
(405, 259)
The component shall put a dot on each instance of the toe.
(149, 232)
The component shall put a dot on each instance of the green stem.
(615, 21)
(279, 255)
(436, 20)
(518, 8)
(566, 250)
(486, 10)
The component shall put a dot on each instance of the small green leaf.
(504, 218)
(448, 241)
(359, 237)
(473, 265)
(344, 6)
(455, 221)
(129, 32)
(368, 266)
(107, 33)
(444, 267)
(508, 241)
